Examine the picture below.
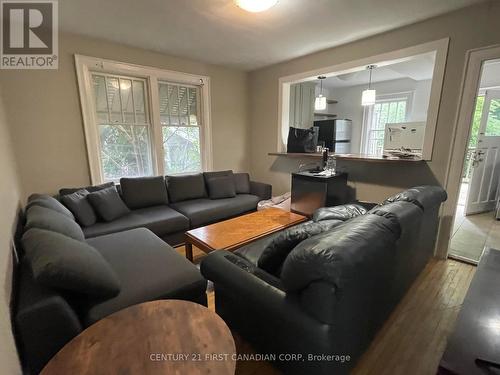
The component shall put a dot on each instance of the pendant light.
(368, 96)
(320, 102)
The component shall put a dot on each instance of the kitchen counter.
(360, 157)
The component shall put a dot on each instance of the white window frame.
(368, 114)
(85, 65)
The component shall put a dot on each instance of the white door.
(482, 192)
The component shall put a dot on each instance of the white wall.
(349, 102)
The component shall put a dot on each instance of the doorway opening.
(476, 224)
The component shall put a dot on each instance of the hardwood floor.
(413, 339)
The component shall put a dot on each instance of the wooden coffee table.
(234, 233)
(159, 337)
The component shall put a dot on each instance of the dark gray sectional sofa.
(188, 204)
(112, 250)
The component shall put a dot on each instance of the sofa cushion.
(61, 262)
(147, 268)
(277, 250)
(221, 187)
(47, 201)
(242, 183)
(45, 218)
(205, 211)
(161, 220)
(90, 189)
(421, 196)
(181, 188)
(79, 205)
(336, 255)
(144, 191)
(343, 212)
(253, 251)
(108, 204)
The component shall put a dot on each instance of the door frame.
(470, 84)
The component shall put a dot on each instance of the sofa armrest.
(260, 189)
(225, 267)
(253, 286)
(268, 317)
(44, 322)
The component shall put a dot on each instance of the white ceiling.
(217, 31)
(418, 68)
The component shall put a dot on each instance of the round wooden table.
(160, 337)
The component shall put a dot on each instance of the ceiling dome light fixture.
(369, 95)
(320, 102)
(255, 6)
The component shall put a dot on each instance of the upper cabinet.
(302, 96)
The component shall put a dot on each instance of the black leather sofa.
(323, 288)
(134, 246)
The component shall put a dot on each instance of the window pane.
(193, 106)
(139, 102)
(113, 95)
(101, 103)
(393, 108)
(493, 124)
(181, 134)
(164, 105)
(384, 112)
(127, 100)
(182, 149)
(173, 100)
(401, 115)
(476, 121)
(183, 106)
(125, 151)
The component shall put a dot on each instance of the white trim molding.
(86, 64)
(439, 46)
(470, 88)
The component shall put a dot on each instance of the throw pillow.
(221, 187)
(47, 201)
(144, 191)
(90, 189)
(108, 204)
(185, 187)
(79, 205)
(242, 183)
(208, 175)
(60, 262)
(45, 218)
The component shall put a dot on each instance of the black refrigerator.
(335, 135)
